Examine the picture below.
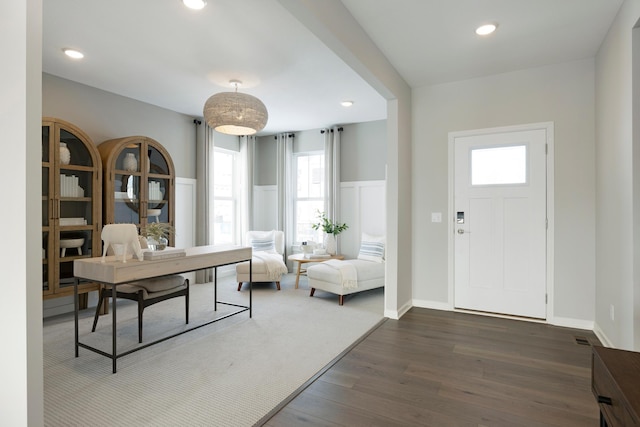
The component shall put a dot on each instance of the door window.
(499, 165)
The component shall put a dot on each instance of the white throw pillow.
(261, 241)
(371, 248)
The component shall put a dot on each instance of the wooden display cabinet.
(71, 206)
(139, 182)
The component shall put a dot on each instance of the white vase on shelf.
(65, 154)
(130, 163)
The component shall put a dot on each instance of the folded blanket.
(348, 273)
(274, 264)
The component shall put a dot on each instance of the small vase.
(65, 154)
(157, 245)
(152, 244)
(130, 163)
(330, 244)
(162, 244)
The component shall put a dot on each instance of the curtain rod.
(197, 122)
(340, 129)
(291, 135)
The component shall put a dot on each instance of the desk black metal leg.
(75, 311)
(215, 289)
(113, 328)
(250, 287)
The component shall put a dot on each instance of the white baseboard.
(397, 314)
(604, 339)
(568, 322)
(556, 321)
(435, 305)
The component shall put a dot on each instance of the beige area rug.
(230, 373)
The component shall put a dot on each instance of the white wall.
(21, 391)
(332, 23)
(617, 205)
(563, 94)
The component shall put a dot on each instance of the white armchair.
(268, 258)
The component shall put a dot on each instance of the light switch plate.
(436, 217)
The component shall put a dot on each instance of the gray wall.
(617, 184)
(265, 161)
(363, 152)
(563, 94)
(104, 115)
(228, 142)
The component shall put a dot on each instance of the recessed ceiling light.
(72, 53)
(346, 103)
(195, 4)
(487, 29)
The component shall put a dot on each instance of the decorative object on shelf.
(157, 234)
(72, 221)
(331, 230)
(71, 243)
(130, 163)
(123, 195)
(235, 113)
(155, 192)
(65, 154)
(154, 213)
(69, 186)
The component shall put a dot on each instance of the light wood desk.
(301, 259)
(114, 272)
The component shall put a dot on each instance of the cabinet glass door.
(47, 190)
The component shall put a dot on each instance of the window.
(499, 165)
(309, 195)
(224, 211)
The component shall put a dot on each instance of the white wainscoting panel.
(186, 217)
(362, 208)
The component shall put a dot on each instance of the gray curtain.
(204, 163)
(247, 155)
(332, 173)
(285, 188)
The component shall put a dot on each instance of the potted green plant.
(331, 230)
(157, 234)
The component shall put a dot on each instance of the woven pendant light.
(235, 113)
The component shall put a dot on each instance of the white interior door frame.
(548, 127)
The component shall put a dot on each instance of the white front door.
(500, 223)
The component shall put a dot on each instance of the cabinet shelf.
(77, 168)
(76, 199)
(64, 228)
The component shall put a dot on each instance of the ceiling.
(162, 53)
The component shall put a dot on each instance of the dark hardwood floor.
(439, 368)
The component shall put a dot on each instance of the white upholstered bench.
(325, 278)
(369, 270)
